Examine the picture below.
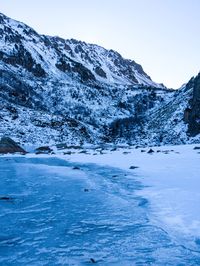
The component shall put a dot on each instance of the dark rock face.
(100, 72)
(63, 65)
(68, 65)
(17, 90)
(7, 145)
(23, 58)
(192, 114)
(84, 72)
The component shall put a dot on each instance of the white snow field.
(90, 208)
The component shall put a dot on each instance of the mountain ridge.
(73, 50)
(56, 90)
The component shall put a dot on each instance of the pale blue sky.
(161, 35)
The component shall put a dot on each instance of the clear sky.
(161, 35)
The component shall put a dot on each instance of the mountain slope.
(56, 90)
(43, 55)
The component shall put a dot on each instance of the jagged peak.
(108, 66)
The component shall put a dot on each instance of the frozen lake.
(57, 215)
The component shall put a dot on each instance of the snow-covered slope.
(43, 55)
(177, 119)
(56, 90)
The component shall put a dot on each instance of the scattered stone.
(166, 152)
(114, 176)
(133, 167)
(7, 145)
(43, 150)
(150, 151)
(62, 146)
(137, 147)
(83, 152)
(76, 168)
(143, 150)
(67, 153)
(114, 149)
(86, 190)
(93, 260)
(98, 149)
(197, 148)
(126, 152)
(158, 150)
(5, 198)
(143, 202)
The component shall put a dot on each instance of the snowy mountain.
(56, 90)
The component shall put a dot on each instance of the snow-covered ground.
(171, 176)
(90, 207)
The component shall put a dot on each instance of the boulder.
(150, 151)
(43, 150)
(76, 168)
(7, 145)
(197, 148)
(133, 167)
(93, 260)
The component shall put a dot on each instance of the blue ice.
(51, 214)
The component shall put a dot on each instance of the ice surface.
(58, 215)
(171, 176)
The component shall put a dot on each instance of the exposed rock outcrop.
(7, 145)
(192, 113)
